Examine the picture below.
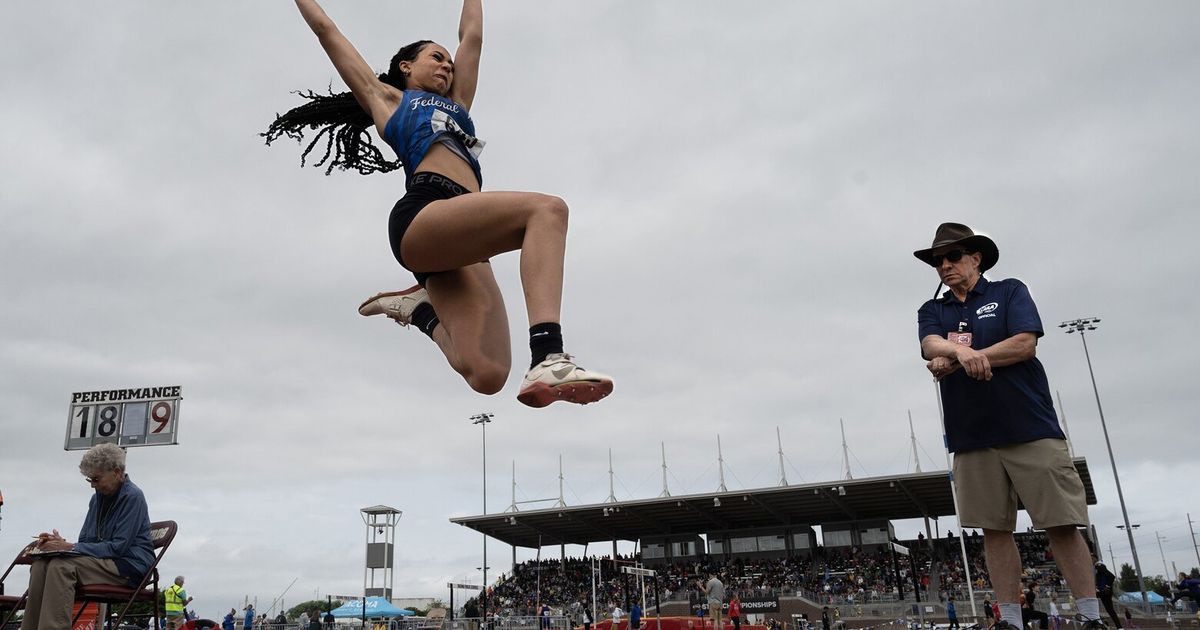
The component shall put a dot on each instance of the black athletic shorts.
(423, 189)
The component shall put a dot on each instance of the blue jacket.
(227, 623)
(118, 528)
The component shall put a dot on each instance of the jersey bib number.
(441, 122)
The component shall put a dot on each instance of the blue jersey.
(424, 118)
(1014, 406)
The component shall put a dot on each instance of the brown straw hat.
(958, 234)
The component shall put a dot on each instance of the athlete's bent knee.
(551, 208)
(487, 381)
(484, 375)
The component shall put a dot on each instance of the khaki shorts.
(1039, 473)
(714, 611)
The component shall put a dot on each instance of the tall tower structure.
(381, 537)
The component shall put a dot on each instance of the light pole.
(1080, 326)
(1193, 533)
(1167, 577)
(482, 419)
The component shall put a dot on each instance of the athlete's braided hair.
(342, 123)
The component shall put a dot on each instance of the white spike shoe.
(558, 378)
(398, 305)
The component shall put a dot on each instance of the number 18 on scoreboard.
(146, 416)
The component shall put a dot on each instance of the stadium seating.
(834, 576)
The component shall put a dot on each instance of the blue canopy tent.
(1136, 598)
(376, 607)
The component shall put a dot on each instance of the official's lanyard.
(964, 324)
(962, 336)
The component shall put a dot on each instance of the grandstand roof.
(893, 497)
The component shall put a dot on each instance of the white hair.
(102, 458)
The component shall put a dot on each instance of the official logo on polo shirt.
(986, 310)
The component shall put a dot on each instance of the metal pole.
(916, 589)
(962, 535)
(1194, 547)
(845, 452)
(1159, 539)
(483, 429)
(1062, 413)
(779, 446)
(720, 466)
(1082, 325)
(912, 436)
(482, 420)
(896, 572)
(657, 611)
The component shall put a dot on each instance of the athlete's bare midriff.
(443, 161)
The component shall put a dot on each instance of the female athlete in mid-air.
(444, 229)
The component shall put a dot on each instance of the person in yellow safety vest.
(176, 600)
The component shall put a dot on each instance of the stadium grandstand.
(764, 545)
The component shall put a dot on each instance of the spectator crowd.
(837, 576)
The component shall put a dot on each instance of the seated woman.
(114, 544)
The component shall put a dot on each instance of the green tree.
(321, 605)
(1128, 579)
(1156, 584)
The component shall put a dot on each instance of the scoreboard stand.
(147, 416)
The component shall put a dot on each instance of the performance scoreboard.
(145, 416)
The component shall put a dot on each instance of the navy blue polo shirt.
(1015, 406)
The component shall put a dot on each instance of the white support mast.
(561, 502)
(721, 466)
(665, 491)
(845, 453)
(513, 507)
(779, 444)
(612, 497)
(912, 435)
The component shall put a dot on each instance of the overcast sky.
(747, 184)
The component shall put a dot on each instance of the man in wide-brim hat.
(980, 341)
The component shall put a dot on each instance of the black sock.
(425, 319)
(544, 339)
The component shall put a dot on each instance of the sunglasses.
(95, 479)
(953, 256)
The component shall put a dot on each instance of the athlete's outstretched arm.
(466, 58)
(370, 92)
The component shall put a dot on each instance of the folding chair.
(161, 533)
(13, 603)
(435, 619)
